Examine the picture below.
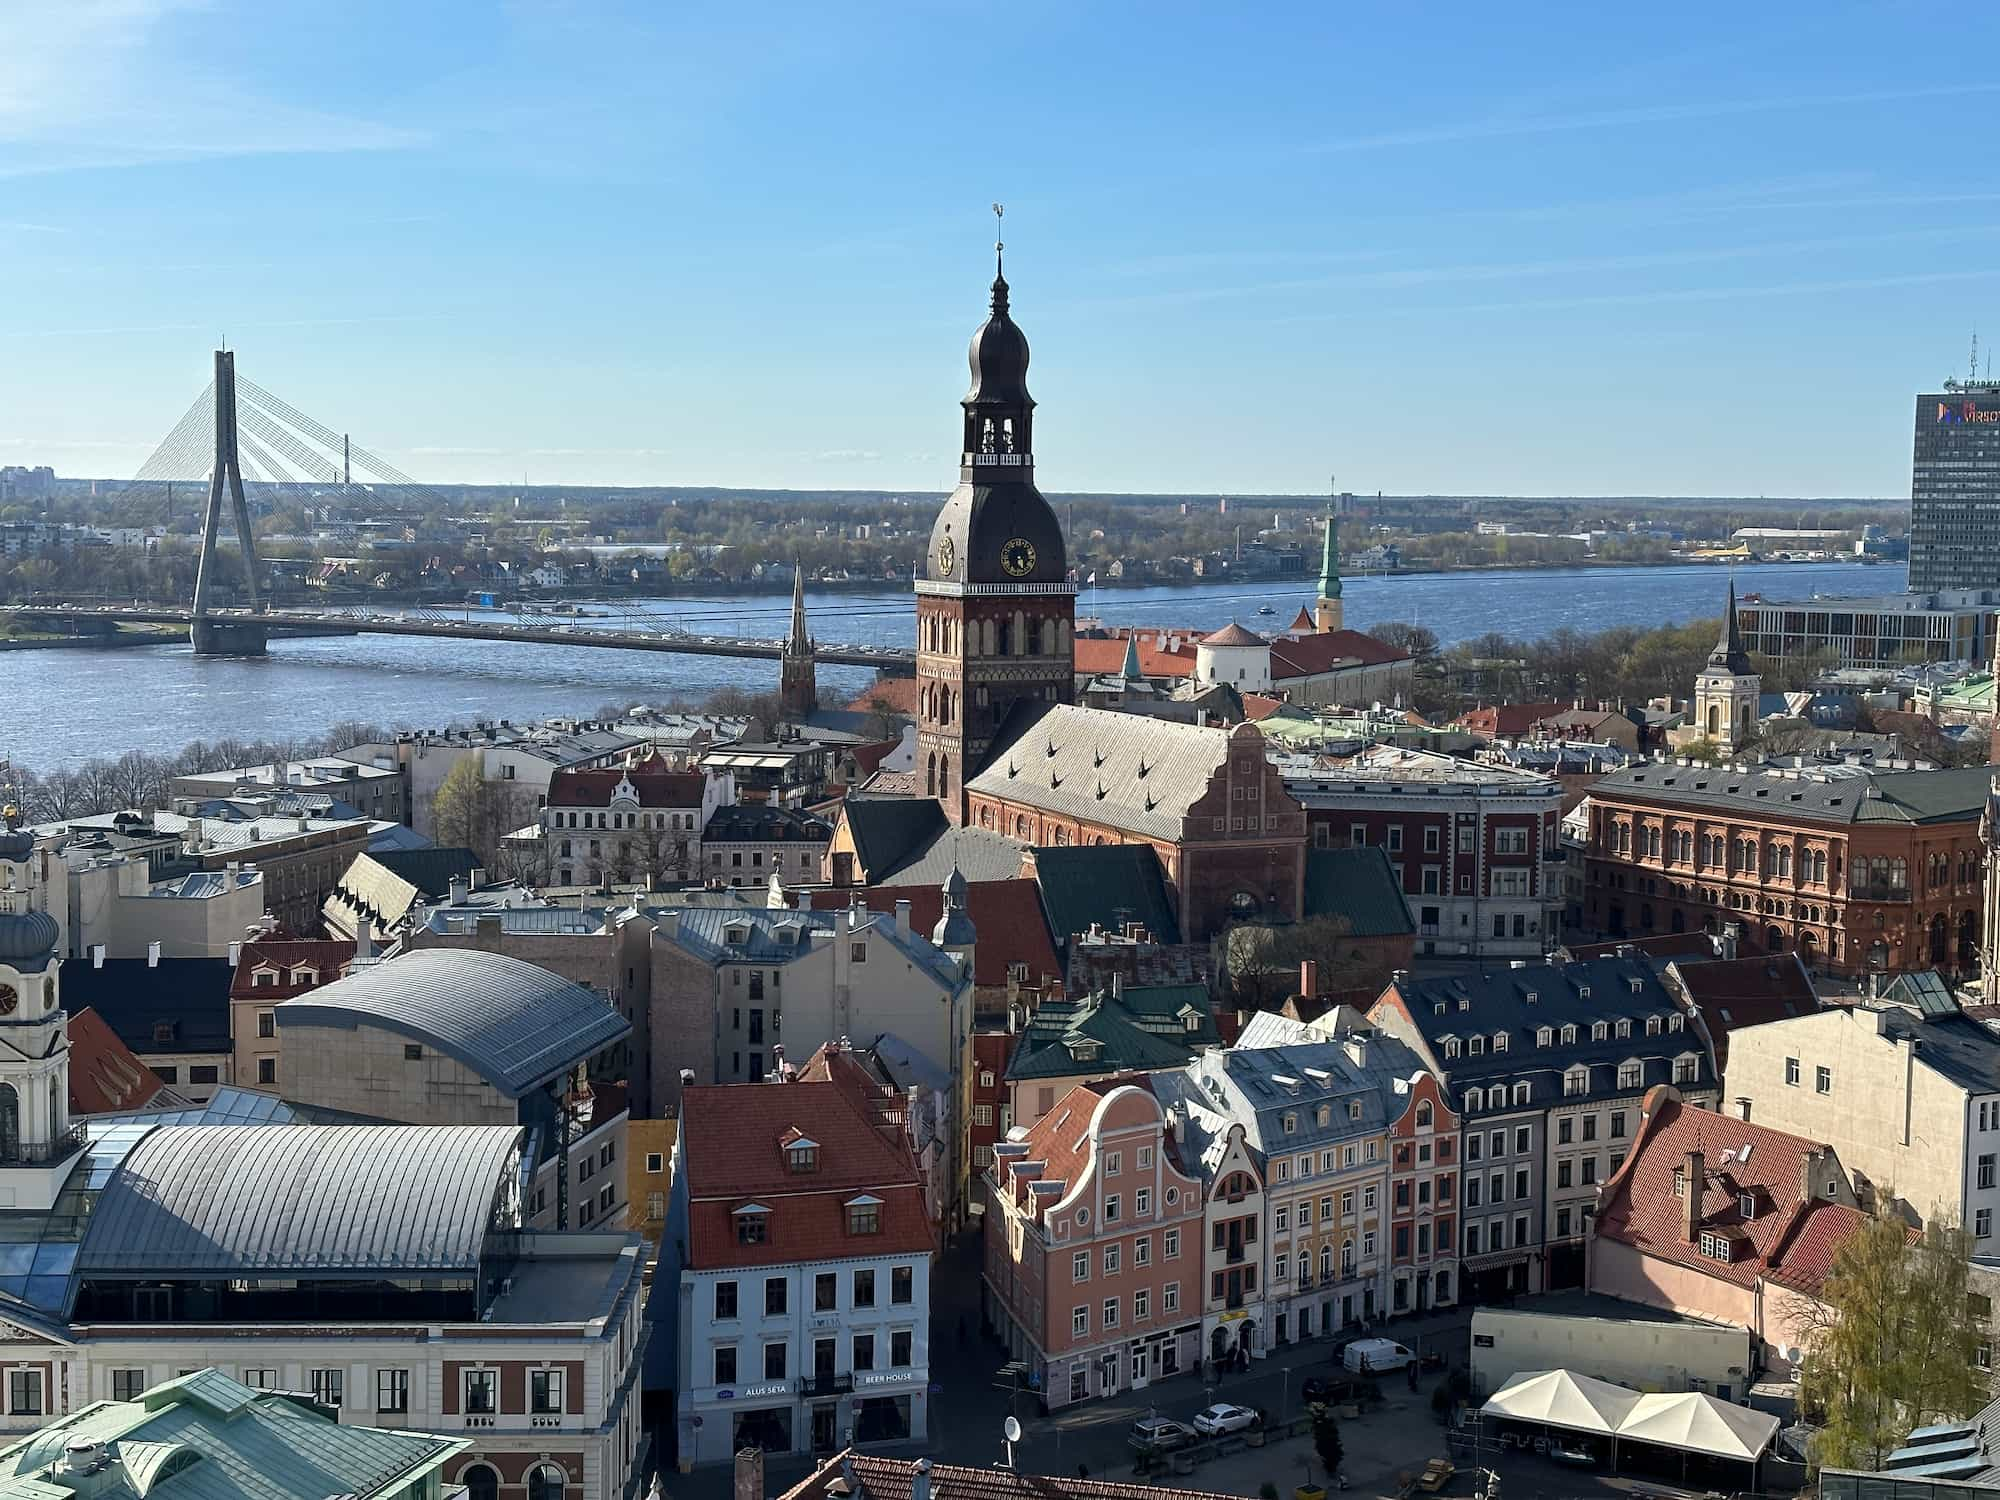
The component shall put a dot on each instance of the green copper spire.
(1329, 564)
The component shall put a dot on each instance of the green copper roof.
(1329, 562)
(209, 1437)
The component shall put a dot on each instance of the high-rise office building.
(1955, 489)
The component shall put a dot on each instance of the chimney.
(1357, 1048)
(1809, 1165)
(235, 954)
(1694, 1166)
(458, 890)
(97, 955)
(903, 916)
(1117, 985)
(153, 954)
(364, 943)
(1309, 977)
(920, 1481)
(670, 922)
(749, 1474)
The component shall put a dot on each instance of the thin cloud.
(80, 89)
(1651, 114)
(848, 456)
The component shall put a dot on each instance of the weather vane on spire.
(999, 213)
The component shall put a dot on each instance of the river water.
(62, 706)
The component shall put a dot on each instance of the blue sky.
(1447, 248)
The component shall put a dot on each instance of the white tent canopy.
(1699, 1423)
(1690, 1421)
(1557, 1398)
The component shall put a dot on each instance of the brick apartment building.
(1475, 848)
(1856, 870)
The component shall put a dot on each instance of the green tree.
(460, 807)
(1326, 1441)
(1890, 1340)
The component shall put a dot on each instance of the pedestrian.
(1413, 1375)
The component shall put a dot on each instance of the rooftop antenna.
(1011, 1429)
(1973, 373)
(999, 213)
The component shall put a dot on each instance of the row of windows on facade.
(1505, 840)
(1568, 1034)
(1577, 1083)
(685, 822)
(1112, 1308)
(826, 1292)
(1016, 636)
(479, 1389)
(777, 1357)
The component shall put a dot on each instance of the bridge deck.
(885, 658)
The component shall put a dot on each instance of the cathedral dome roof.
(1233, 634)
(27, 935)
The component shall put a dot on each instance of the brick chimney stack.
(749, 1474)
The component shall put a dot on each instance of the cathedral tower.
(996, 611)
(1727, 689)
(38, 1144)
(1327, 613)
(798, 688)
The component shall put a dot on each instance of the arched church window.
(944, 774)
(930, 777)
(986, 436)
(1006, 638)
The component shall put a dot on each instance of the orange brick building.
(1856, 870)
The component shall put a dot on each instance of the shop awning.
(1557, 1398)
(1690, 1421)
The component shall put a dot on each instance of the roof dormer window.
(736, 937)
(1624, 1028)
(1544, 1035)
(802, 1155)
(1451, 1046)
(1499, 1041)
(1569, 1035)
(1599, 1031)
(1291, 1123)
(864, 1215)
(1673, 1023)
(753, 1224)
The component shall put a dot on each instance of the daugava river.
(65, 705)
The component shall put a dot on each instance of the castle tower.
(996, 611)
(38, 1146)
(1727, 689)
(798, 688)
(1327, 613)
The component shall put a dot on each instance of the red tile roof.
(1310, 655)
(731, 1135)
(1060, 1140)
(870, 1476)
(1507, 718)
(1007, 915)
(105, 1075)
(900, 693)
(1100, 657)
(657, 784)
(1233, 634)
(1733, 992)
(326, 959)
(1256, 706)
(1792, 1234)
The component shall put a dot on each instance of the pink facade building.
(1423, 1197)
(1094, 1261)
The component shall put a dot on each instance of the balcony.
(1877, 890)
(829, 1385)
(42, 1153)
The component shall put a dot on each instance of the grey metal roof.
(1138, 774)
(769, 936)
(1816, 793)
(514, 1023)
(235, 1199)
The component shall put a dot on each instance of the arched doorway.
(1218, 1345)
(1940, 944)
(547, 1482)
(481, 1483)
(1809, 950)
(1774, 940)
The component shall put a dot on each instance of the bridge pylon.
(213, 637)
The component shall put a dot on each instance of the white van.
(1375, 1356)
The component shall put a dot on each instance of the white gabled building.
(797, 1258)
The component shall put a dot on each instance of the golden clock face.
(947, 554)
(1017, 556)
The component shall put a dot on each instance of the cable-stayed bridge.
(236, 429)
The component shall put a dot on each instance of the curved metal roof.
(241, 1199)
(513, 1023)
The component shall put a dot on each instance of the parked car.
(1162, 1433)
(1375, 1356)
(1222, 1417)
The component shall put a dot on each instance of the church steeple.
(1729, 653)
(1727, 691)
(996, 610)
(798, 686)
(1328, 613)
(38, 1144)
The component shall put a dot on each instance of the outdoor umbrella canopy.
(1699, 1423)
(1557, 1398)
